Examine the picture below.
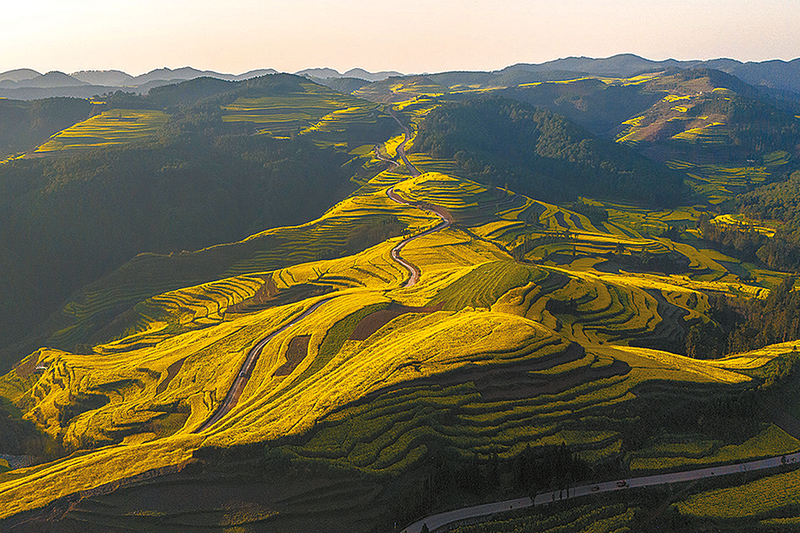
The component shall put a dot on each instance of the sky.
(409, 36)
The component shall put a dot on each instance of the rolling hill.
(415, 340)
(128, 181)
(25, 125)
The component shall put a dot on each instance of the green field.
(109, 128)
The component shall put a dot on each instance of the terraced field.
(109, 128)
(315, 109)
(718, 183)
(172, 365)
(531, 326)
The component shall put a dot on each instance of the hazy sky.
(405, 35)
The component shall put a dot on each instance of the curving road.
(438, 520)
(401, 148)
(247, 367)
(414, 272)
(252, 356)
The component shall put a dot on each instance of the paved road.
(412, 269)
(252, 356)
(247, 369)
(441, 519)
(401, 149)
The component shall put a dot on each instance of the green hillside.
(24, 125)
(270, 319)
(133, 180)
(537, 152)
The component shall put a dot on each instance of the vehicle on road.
(622, 484)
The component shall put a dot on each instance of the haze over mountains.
(28, 84)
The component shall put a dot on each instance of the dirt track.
(412, 269)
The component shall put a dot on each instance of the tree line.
(744, 325)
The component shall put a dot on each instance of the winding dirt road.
(447, 219)
(379, 155)
(438, 520)
(247, 367)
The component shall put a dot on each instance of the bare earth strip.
(172, 371)
(438, 520)
(295, 353)
(247, 368)
(375, 321)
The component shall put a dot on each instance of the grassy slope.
(109, 128)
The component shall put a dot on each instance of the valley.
(457, 298)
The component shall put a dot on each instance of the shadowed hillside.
(539, 153)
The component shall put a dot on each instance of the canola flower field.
(117, 126)
(542, 318)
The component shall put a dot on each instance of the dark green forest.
(743, 325)
(778, 202)
(543, 155)
(598, 107)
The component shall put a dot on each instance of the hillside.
(139, 180)
(24, 125)
(421, 337)
(536, 152)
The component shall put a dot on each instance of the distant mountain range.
(775, 74)
(27, 84)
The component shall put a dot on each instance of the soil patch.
(375, 321)
(24, 370)
(172, 371)
(297, 351)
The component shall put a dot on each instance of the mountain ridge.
(27, 84)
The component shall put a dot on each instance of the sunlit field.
(109, 128)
